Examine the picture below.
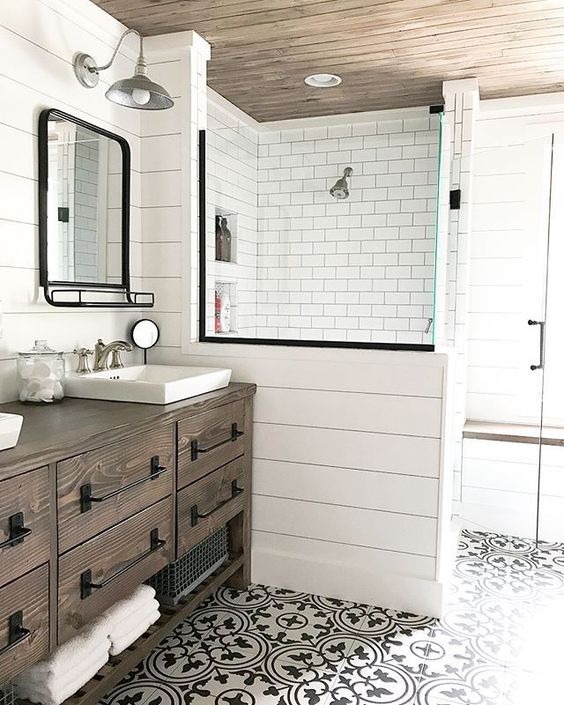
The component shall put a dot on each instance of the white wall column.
(461, 107)
(170, 183)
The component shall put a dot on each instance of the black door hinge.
(454, 199)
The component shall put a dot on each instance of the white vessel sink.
(147, 384)
(10, 427)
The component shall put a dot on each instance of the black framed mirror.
(84, 214)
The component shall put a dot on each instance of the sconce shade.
(139, 92)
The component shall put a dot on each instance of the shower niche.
(325, 234)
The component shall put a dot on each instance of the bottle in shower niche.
(219, 238)
(225, 311)
(217, 313)
(226, 240)
(41, 373)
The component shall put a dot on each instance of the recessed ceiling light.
(323, 80)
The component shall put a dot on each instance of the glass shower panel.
(231, 228)
(323, 234)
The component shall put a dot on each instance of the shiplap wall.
(350, 494)
(38, 39)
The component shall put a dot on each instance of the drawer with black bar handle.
(98, 489)
(209, 440)
(24, 623)
(108, 567)
(24, 523)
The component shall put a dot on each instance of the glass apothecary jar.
(41, 373)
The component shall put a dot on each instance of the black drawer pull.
(195, 449)
(86, 584)
(86, 497)
(18, 532)
(17, 632)
(195, 515)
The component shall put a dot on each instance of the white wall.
(38, 39)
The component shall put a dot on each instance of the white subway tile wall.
(361, 269)
(310, 267)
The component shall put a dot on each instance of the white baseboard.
(357, 583)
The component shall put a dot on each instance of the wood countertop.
(57, 431)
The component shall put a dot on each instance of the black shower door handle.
(542, 326)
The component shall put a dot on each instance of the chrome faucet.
(102, 352)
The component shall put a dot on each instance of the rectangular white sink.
(147, 384)
(10, 427)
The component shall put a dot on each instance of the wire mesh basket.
(7, 695)
(185, 574)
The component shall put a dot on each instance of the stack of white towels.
(78, 660)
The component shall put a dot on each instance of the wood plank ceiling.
(390, 53)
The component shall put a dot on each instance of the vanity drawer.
(98, 489)
(206, 505)
(110, 566)
(24, 622)
(209, 440)
(24, 523)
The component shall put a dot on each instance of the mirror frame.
(84, 288)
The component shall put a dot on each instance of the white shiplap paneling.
(37, 42)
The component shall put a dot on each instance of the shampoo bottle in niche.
(219, 239)
(226, 240)
(217, 313)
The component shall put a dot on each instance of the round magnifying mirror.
(145, 333)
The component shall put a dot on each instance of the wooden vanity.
(99, 496)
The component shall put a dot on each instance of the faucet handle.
(116, 363)
(83, 366)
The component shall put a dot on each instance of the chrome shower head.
(340, 190)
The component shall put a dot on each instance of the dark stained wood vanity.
(106, 493)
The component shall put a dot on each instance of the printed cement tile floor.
(497, 644)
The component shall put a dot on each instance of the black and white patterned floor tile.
(497, 644)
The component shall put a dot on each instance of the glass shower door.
(500, 477)
(550, 521)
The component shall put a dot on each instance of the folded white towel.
(125, 639)
(123, 608)
(127, 624)
(58, 693)
(41, 680)
(69, 655)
